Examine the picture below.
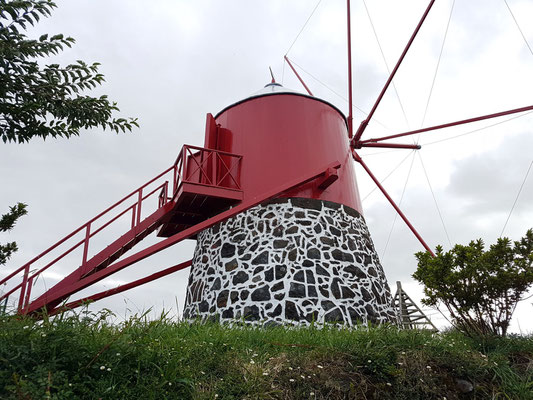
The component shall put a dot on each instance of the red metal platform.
(206, 182)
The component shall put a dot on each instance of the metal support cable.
(435, 199)
(518, 26)
(438, 64)
(386, 64)
(303, 27)
(399, 204)
(516, 198)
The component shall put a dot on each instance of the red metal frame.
(391, 145)
(27, 280)
(122, 288)
(208, 168)
(297, 75)
(350, 104)
(402, 215)
(63, 291)
(365, 122)
(368, 142)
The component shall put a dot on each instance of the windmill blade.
(358, 158)
(367, 142)
(364, 123)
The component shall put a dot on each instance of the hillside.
(89, 358)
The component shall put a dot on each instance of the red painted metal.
(207, 167)
(350, 103)
(81, 228)
(54, 298)
(365, 122)
(122, 288)
(365, 143)
(391, 201)
(390, 145)
(330, 176)
(200, 171)
(298, 75)
(285, 135)
(110, 253)
(139, 227)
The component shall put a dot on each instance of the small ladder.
(410, 316)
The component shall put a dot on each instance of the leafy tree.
(7, 222)
(45, 101)
(479, 288)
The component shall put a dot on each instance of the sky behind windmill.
(171, 62)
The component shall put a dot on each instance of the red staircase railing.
(193, 165)
(139, 198)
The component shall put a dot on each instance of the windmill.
(222, 170)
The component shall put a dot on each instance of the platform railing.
(87, 230)
(207, 167)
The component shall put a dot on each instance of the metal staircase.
(205, 182)
(205, 191)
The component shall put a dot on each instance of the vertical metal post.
(28, 292)
(132, 217)
(86, 243)
(350, 116)
(165, 194)
(175, 178)
(139, 205)
(184, 163)
(216, 163)
(364, 123)
(23, 288)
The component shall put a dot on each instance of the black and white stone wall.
(292, 261)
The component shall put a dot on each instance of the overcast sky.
(171, 62)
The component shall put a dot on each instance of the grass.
(86, 357)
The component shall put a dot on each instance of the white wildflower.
(291, 380)
(102, 367)
(265, 373)
(320, 366)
